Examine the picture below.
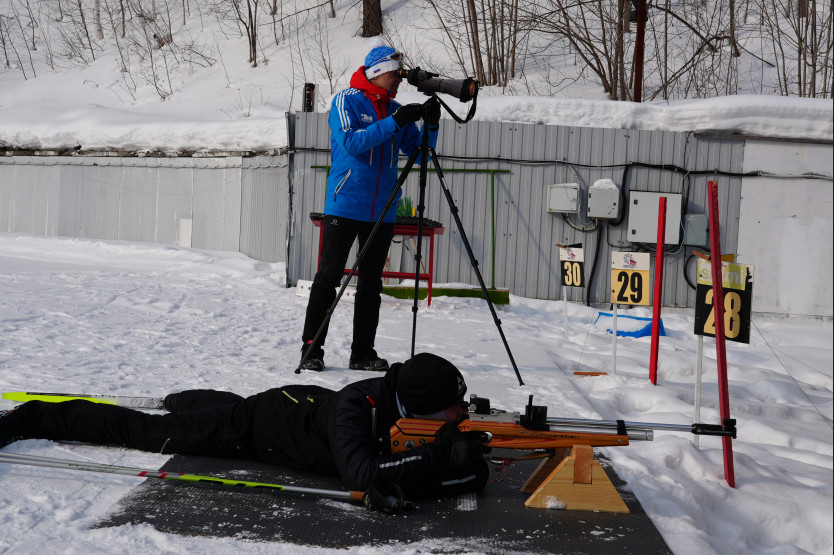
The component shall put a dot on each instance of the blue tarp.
(632, 325)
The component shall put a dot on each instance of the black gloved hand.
(407, 114)
(386, 497)
(461, 448)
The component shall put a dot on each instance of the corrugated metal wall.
(497, 173)
(224, 203)
(502, 171)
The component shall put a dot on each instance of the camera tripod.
(423, 151)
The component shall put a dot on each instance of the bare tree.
(596, 31)
(247, 15)
(487, 32)
(371, 18)
(97, 20)
(801, 46)
(84, 27)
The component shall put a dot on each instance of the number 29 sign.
(737, 284)
(630, 282)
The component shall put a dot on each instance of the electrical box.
(696, 230)
(563, 197)
(642, 217)
(604, 200)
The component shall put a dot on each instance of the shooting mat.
(492, 521)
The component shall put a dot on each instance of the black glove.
(461, 448)
(386, 497)
(433, 114)
(407, 114)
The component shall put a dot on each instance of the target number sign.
(572, 262)
(737, 283)
(630, 283)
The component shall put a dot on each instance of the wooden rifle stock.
(407, 433)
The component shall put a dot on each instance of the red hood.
(377, 95)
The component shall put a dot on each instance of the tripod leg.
(359, 257)
(421, 205)
(454, 210)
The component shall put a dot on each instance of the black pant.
(338, 235)
(214, 424)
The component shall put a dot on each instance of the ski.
(120, 400)
(48, 462)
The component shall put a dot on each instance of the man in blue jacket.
(368, 131)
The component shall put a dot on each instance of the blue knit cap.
(378, 61)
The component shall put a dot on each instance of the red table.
(430, 229)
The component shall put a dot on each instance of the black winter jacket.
(343, 433)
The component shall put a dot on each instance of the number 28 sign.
(630, 282)
(738, 294)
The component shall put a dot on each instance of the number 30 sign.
(572, 261)
(738, 294)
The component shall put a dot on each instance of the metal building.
(500, 177)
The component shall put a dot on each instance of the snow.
(112, 317)
(138, 319)
(38, 120)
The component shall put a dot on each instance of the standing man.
(368, 130)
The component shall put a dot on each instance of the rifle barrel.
(634, 434)
(630, 426)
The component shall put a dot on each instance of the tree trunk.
(476, 44)
(122, 8)
(371, 18)
(97, 20)
(733, 42)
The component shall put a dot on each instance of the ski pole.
(35, 460)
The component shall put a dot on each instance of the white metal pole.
(614, 343)
(565, 289)
(698, 368)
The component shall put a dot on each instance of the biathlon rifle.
(535, 431)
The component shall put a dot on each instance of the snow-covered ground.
(137, 319)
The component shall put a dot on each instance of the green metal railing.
(492, 174)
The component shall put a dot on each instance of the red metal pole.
(658, 288)
(720, 340)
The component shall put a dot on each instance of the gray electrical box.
(643, 209)
(696, 230)
(563, 197)
(604, 200)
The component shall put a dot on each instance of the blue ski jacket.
(365, 143)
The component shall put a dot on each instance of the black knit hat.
(428, 383)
